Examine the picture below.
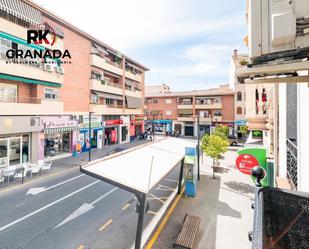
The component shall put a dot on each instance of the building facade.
(178, 111)
(53, 96)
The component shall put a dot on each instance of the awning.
(57, 29)
(134, 102)
(114, 53)
(20, 41)
(21, 10)
(62, 129)
(112, 74)
(28, 81)
(108, 95)
(101, 50)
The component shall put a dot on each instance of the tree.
(221, 131)
(214, 146)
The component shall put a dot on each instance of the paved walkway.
(72, 162)
(224, 205)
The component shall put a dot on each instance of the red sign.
(245, 163)
(114, 136)
(113, 122)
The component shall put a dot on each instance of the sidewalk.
(224, 205)
(73, 162)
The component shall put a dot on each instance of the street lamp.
(89, 132)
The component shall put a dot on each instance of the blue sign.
(240, 122)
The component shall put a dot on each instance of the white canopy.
(132, 169)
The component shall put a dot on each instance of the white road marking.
(170, 180)
(46, 206)
(157, 198)
(35, 191)
(84, 208)
(162, 187)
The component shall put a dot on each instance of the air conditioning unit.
(278, 26)
(60, 70)
(48, 67)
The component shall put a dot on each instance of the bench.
(188, 232)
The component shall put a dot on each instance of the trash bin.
(281, 219)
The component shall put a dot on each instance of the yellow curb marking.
(164, 221)
(105, 225)
(81, 247)
(125, 206)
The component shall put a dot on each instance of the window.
(168, 101)
(155, 101)
(239, 96)
(217, 100)
(168, 113)
(51, 93)
(217, 113)
(95, 99)
(96, 75)
(239, 110)
(149, 101)
(8, 93)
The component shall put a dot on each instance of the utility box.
(190, 172)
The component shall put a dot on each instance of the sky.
(186, 44)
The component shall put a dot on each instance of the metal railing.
(292, 162)
(19, 99)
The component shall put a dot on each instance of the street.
(72, 210)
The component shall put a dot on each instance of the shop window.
(51, 93)
(239, 110)
(168, 101)
(239, 96)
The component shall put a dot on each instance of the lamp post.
(89, 131)
(198, 146)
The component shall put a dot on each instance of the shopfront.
(238, 124)
(96, 140)
(60, 136)
(18, 140)
(124, 129)
(112, 131)
(136, 126)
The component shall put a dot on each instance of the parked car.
(233, 140)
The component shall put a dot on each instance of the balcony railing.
(113, 84)
(292, 162)
(19, 99)
(113, 106)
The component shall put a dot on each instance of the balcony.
(209, 106)
(29, 106)
(128, 111)
(185, 106)
(32, 72)
(292, 162)
(107, 87)
(133, 92)
(131, 76)
(100, 62)
(106, 109)
(186, 118)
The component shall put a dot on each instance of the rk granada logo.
(41, 36)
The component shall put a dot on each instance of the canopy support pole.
(180, 176)
(141, 197)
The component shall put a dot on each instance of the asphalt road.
(72, 210)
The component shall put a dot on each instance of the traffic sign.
(245, 163)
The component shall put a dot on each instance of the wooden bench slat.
(188, 232)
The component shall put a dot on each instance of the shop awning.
(134, 102)
(108, 95)
(28, 81)
(21, 10)
(58, 130)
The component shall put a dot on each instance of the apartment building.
(237, 83)
(178, 111)
(45, 100)
(278, 70)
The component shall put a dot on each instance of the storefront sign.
(112, 122)
(240, 122)
(96, 122)
(137, 118)
(60, 124)
(245, 163)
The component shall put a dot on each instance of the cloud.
(139, 23)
